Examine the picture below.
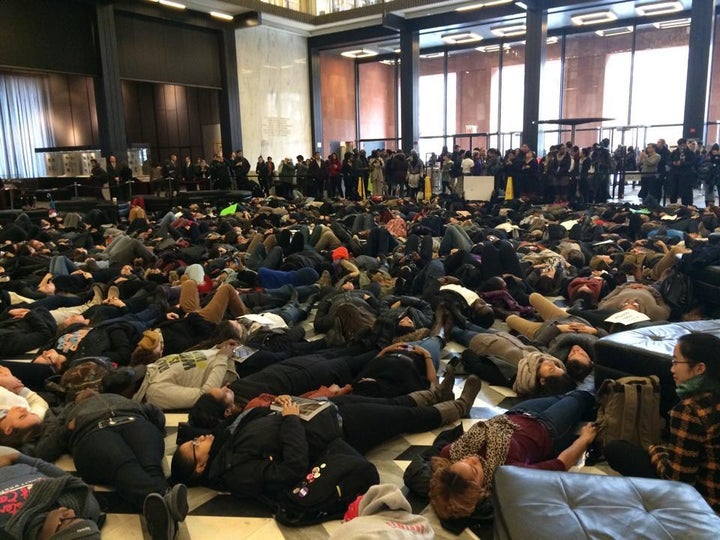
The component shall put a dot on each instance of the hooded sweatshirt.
(384, 513)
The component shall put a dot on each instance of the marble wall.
(274, 93)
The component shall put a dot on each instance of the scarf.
(696, 385)
(494, 436)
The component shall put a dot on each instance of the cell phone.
(113, 421)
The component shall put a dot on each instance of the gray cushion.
(550, 505)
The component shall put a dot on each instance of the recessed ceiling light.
(492, 48)
(615, 31)
(478, 5)
(462, 37)
(595, 17)
(176, 5)
(675, 23)
(432, 55)
(552, 39)
(509, 31)
(390, 62)
(359, 53)
(660, 8)
(223, 16)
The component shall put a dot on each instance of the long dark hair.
(700, 347)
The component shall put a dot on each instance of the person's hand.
(395, 305)
(85, 394)
(4, 371)
(172, 315)
(114, 302)
(11, 383)
(588, 433)
(55, 521)
(18, 313)
(9, 459)
(291, 409)
(227, 346)
(283, 400)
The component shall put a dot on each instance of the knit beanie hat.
(150, 340)
(85, 529)
(340, 253)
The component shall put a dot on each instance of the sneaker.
(159, 522)
(176, 501)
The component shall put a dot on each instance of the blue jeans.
(464, 335)
(60, 265)
(559, 414)
(433, 345)
(455, 237)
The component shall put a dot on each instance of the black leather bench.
(646, 351)
(549, 505)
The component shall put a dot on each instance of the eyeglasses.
(675, 362)
(195, 443)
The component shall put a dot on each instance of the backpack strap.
(630, 411)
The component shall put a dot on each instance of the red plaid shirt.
(693, 453)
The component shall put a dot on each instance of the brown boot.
(460, 408)
(438, 393)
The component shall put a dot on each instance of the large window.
(659, 78)
(378, 105)
(24, 125)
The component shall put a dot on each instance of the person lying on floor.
(20, 408)
(538, 434)
(530, 370)
(263, 452)
(115, 441)
(47, 502)
(175, 381)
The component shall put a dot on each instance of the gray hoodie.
(384, 513)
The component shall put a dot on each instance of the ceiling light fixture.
(223, 16)
(470, 7)
(492, 48)
(595, 17)
(509, 31)
(610, 32)
(459, 38)
(660, 8)
(675, 23)
(359, 53)
(521, 5)
(478, 5)
(176, 5)
(432, 55)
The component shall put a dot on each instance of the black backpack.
(336, 479)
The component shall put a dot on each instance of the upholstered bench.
(646, 351)
(537, 504)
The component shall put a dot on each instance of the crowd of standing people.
(195, 310)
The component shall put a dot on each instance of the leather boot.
(437, 394)
(460, 408)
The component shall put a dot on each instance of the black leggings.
(629, 459)
(368, 422)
